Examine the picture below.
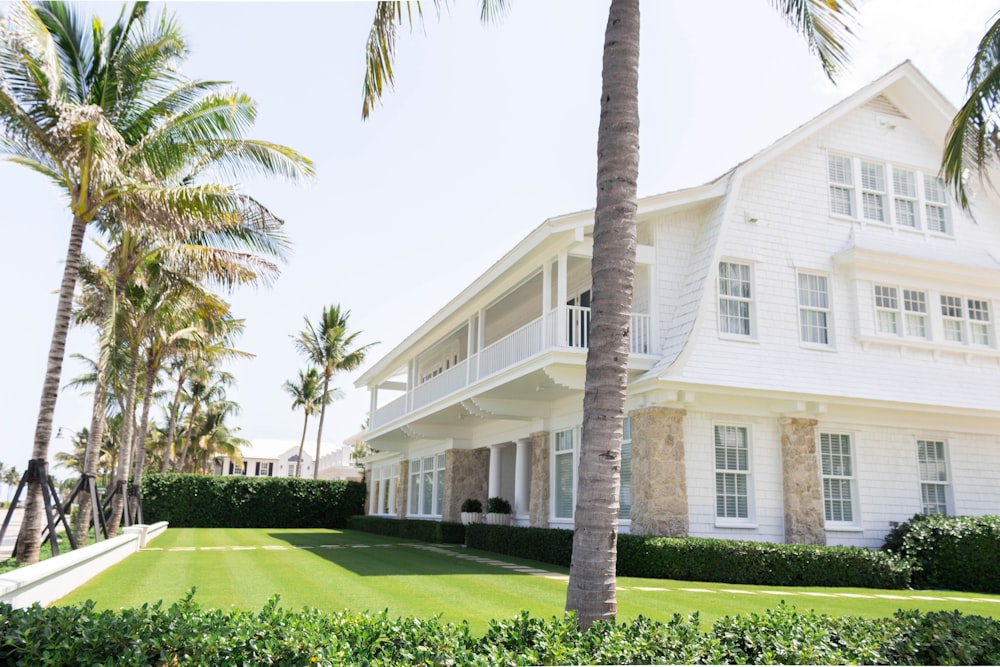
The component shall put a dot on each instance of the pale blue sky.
(490, 131)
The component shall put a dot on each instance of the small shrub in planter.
(497, 511)
(472, 511)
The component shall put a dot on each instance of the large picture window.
(427, 478)
(732, 472)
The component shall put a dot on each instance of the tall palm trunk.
(591, 591)
(30, 538)
(319, 432)
(190, 437)
(140, 458)
(125, 455)
(92, 454)
(172, 426)
(302, 445)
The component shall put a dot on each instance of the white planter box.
(471, 517)
(496, 519)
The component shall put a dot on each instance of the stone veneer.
(538, 504)
(467, 475)
(402, 486)
(659, 483)
(802, 488)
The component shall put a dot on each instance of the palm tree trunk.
(591, 591)
(125, 455)
(30, 538)
(92, 454)
(190, 437)
(147, 401)
(302, 445)
(319, 432)
(172, 428)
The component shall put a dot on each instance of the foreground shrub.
(438, 532)
(547, 545)
(764, 563)
(184, 633)
(956, 552)
(204, 501)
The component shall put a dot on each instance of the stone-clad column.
(659, 477)
(538, 506)
(802, 486)
(466, 475)
(402, 489)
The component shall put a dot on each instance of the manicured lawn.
(335, 570)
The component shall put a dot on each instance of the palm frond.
(827, 25)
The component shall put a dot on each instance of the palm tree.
(329, 346)
(105, 116)
(973, 141)
(826, 24)
(306, 395)
(11, 477)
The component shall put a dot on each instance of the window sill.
(843, 528)
(720, 523)
(817, 347)
(738, 338)
(937, 348)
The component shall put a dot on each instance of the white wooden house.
(813, 354)
(279, 458)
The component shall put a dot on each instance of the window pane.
(840, 201)
(840, 170)
(625, 496)
(564, 485)
(903, 183)
(906, 213)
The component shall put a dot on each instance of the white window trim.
(436, 480)
(947, 484)
(889, 205)
(575, 454)
(901, 312)
(831, 344)
(728, 335)
(751, 519)
(855, 523)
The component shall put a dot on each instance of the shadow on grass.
(370, 555)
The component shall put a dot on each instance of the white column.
(373, 396)
(522, 469)
(546, 302)
(494, 487)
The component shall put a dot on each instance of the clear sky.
(490, 131)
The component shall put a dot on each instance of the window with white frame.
(814, 308)
(890, 311)
(886, 309)
(873, 194)
(564, 465)
(904, 198)
(841, 185)
(933, 476)
(966, 320)
(918, 200)
(979, 321)
(732, 472)
(837, 470)
(427, 478)
(384, 481)
(936, 205)
(734, 298)
(625, 494)
(952, 318)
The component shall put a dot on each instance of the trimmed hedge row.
(763, 563)
(700, 559)
(438, 532)
(186, 634)
(956, 552)
(546, 545)
(204, 501)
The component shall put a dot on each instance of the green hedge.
(699, 559)
(956, 552)
(438, 532)
(764, 563)
(186, 634)
(547, 545)
(204, 501)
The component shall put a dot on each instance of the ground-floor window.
(264, 468)
(382, 486)
(625, 495)
(427, 485)
(564, 465)
(732, 472)
(933, 476)
(838, 476)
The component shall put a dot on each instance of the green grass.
(414, 579)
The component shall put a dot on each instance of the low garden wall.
(51, 579)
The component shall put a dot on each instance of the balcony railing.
(567, 327)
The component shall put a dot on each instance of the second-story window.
(734, 298)
(901, 317)
(873, 191)
(814, 309)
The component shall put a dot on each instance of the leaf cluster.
(185, 633)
